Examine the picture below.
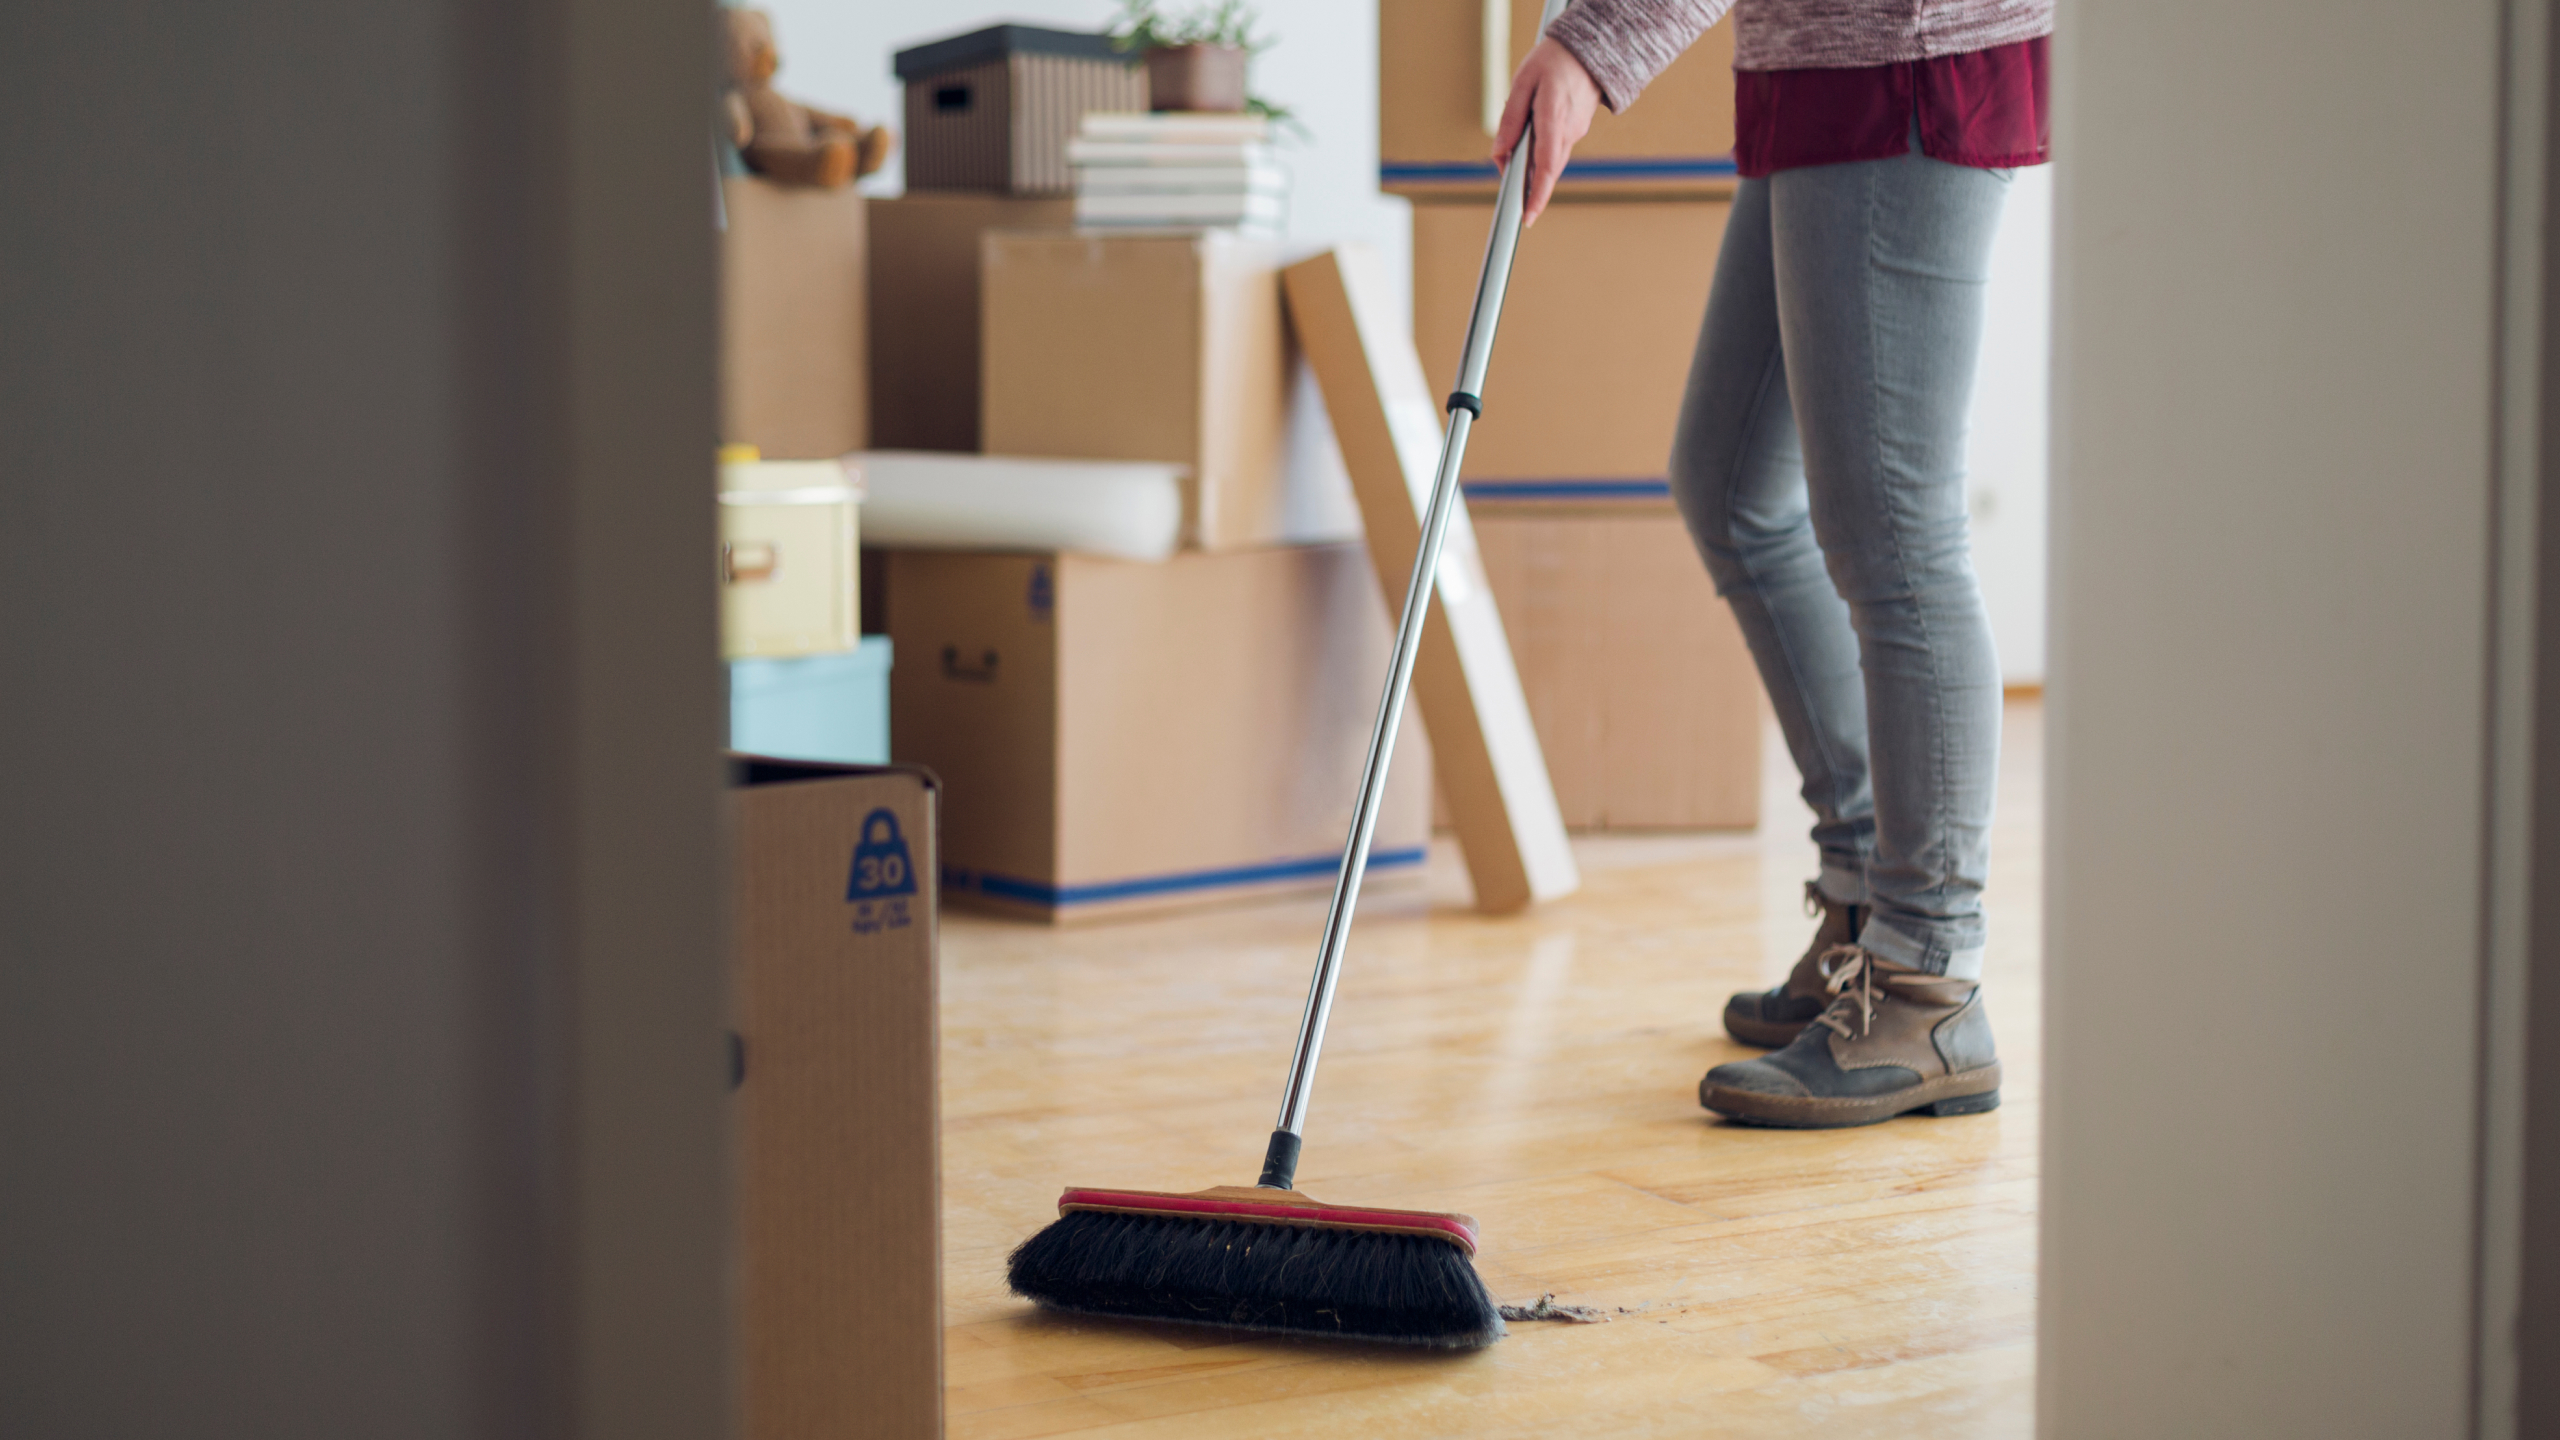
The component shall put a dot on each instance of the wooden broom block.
(1490, 769)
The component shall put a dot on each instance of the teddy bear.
(783, 139)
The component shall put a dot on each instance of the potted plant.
(1196, 60)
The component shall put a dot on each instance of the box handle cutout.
(744, 562)
(950, 99)
(954, 668)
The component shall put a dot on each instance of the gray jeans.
(1820, 466)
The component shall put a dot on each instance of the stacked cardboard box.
(793, 347)
(1645, 698)
(1165, 347)
(1122, 734)
(925, 309)
(1603, 312)
(989, 114)
(1610, 285)
(1643, 693)
(1439, 101)
(795, 398)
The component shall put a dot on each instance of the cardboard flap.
(746, 770)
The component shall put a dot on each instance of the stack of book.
(1178, 170)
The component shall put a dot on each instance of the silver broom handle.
(1280, 1164)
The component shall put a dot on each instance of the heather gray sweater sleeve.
(1625, 43)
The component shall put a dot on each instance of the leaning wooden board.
(1492, 775)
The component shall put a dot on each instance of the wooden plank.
(1491, 771)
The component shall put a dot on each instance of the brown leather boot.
(1893, 1040)
(1773, 1017)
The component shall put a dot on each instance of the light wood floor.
(1540, 1073)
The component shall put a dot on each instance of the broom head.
(1255, 1259)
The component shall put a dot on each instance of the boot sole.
(1767, 1034)
(1968, 1093)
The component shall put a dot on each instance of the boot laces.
(1848, 973)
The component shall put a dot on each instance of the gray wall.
(359, 955)
(2283, 357)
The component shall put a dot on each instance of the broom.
(1266, 1257)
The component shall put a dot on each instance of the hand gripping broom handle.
(1280, 1163)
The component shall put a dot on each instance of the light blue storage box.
(814, 707)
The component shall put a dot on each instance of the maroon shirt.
(1987, 109)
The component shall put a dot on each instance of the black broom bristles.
(1286, 1279)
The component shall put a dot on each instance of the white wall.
(2008, 440)
(2276, 383)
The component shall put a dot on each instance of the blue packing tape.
(1035, 892)
(1701, 167)
(1567, 489)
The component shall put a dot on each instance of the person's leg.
(1738, 476)
(1880, 270)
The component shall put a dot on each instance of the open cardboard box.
(838, 1127)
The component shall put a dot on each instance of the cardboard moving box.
(924, 310)
(1646, 701)
(1439, 92)
(792, 348)
(1154, 347)
(1115, 736)
(838, 1126)
(1603, 313)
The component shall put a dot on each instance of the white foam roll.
(919, 500)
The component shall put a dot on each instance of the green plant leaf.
(1142, 25)
(1283, 122)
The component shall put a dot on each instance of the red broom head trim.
(1273, 1207)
